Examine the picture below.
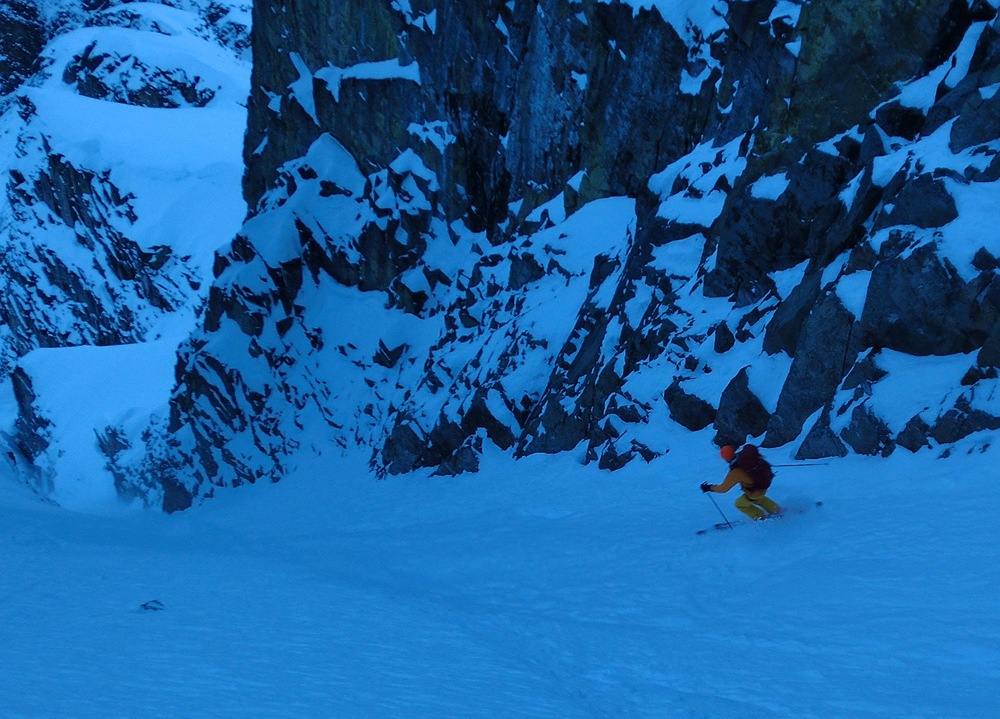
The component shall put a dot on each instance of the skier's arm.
(734, 477)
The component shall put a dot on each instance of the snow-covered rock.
(502, 299)
(121, 142)
(547, 227)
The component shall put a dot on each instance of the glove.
(706, 487)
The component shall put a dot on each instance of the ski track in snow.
(538, 588)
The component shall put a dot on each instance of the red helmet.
(728, 453)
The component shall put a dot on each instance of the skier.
(749, 470)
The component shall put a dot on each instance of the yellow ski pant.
(757, 506)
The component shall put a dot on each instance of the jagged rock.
(991, 294)
(914, 435)
(31, 428)
(524, 269)
(758, 236)
(842, 34)
(978, 123)
(867, 433)
(445, 440)
(976, 374)
(864, 373)
(827, 346)
(388, 357)
(687, 409)
(919, 305)
(479, 416)
(464, 459)
(158, 481)
(966, 97)
(783, 330)
(610, 457)
(923, 202)
(229, 26)
(176, 497)
(863, 258)
(83, 260)
(990, 174)
(653, 335)
(582, 382)
(873, 145)
(128, 80)
(515, 112)
(821, 441)
(402, 451)
(625, 411)
(983, 260)
(839, 227)
(547, 95)
(724, 339)
(555, 430)
(22, 37)
(961, 421)
(899, 120)
(658, 231)
(113, 296)
(740, 413)
(989, 353)
(758, 73)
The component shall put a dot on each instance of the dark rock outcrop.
(786, 325)
(855, 50)
(918, 304)
(989, 353)
(867, 433)
(22, 36)
(740, 413)
(510, 84)
(724, 338)
(31, 428)
(129, 80)
(922, 202)
(961, 421)
(688, 410)
(821, 441)
(914, 435)
(827, 347)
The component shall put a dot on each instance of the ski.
(718, 526)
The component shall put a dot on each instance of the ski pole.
(720, 510)
(802, 464)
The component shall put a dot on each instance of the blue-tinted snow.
(769, 187)
(391, 69)
(537, 588)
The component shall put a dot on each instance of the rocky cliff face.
(104, 236)
(22, 35)
(558, 225)
(578, 226)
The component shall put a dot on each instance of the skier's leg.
(747, 507)
(767, 504)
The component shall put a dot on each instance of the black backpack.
(749, 460)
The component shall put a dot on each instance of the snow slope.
(538, 588)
